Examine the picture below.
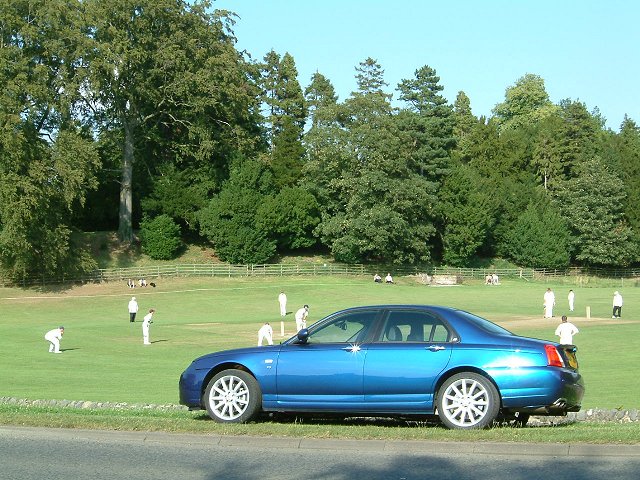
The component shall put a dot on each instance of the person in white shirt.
(617, 305)
(549, 303)
(301, 318)
(53, 337)
(388, 278)
(145, 326)
(566, 330)
(133, 309)
(571, 297)
(282, 299)
(265, 333)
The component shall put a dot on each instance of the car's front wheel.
(233, 396)
(468, 400)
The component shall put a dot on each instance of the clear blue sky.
(586, 50)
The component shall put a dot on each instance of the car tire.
(233, 396)
(468, 400)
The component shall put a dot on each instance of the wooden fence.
(306, 269)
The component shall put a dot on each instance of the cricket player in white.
(133, 309)
(282, 299)
(301, 318)
(145, 326)
(265, 333)
(572, 298)
(53, 337)
(566, 330)
(549, 303)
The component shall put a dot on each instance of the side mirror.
(303, 335)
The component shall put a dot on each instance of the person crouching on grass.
(145, 326)
(53, 337)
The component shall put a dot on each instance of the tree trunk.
(125, 228)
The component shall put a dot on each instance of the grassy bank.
(356, 429)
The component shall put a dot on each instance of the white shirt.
(549, 298)
(133, 306)
(55, 333)
(301, 314)
(282, 298)
(566, 331)
(147, 320)
(617, 300)
(265, 332)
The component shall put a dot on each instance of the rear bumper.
(548, 391)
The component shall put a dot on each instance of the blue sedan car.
(392, 360)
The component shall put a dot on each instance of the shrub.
(160, 237)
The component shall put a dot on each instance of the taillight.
(553, 356)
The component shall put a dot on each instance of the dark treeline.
(143, 116)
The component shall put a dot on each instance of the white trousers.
(145, 336)
(283, 309)
(548, 311)
(266, 337)
(54, 345)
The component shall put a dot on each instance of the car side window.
(414, 326)
(349, 328)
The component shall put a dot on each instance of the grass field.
(104, 359)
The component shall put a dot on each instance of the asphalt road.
(34, 453)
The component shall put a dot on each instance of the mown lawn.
(104, 359)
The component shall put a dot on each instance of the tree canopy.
(142, 117)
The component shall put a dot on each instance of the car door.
(325, 373)
(402, 366)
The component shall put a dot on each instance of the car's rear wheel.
(468, 400)
(233, 396)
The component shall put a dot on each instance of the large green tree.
(593, 206)
(376, 202)
(525, 104)
(166, 75)
(48, 159)
(286, 116)
(539, 238)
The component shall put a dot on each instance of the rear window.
(484, 324)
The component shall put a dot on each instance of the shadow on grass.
(391, 422)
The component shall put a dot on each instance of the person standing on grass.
(53, 337)
(571, 297)
(617, 305)
(145, 326)
(282, 300)
(265, 333)
(566, 330)
(548, 303)
(301, 318)
(133, 309)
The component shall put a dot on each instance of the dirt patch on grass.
(537, 322)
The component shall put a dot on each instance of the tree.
(466, 216)
(320, 96)
(526, 103)
(230, 219)
(167, 75)
(464, 120)
(375, 204)
(160, 237)
(290, 217)
(628, 149)
(540, 238)
(48, 159)
(592, 205)
(286, 116)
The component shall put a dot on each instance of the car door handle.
(435, 348)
